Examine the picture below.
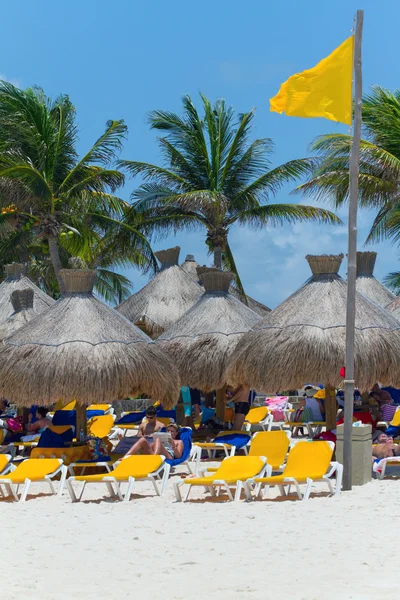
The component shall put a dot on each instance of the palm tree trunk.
(218, 257)
(56, 261)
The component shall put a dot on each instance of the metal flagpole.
(352, 256)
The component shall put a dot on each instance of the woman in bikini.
(170, 450)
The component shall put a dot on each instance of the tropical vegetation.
(213, 177)
(53, 203)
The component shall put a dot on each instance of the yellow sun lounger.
(5, 465)
(232, 473)
(259, 416)
(101, 426)
(307, 463)
(274, 445)
(34, 470)
(128, 470)
(107, 408)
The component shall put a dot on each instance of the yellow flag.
(323, 91)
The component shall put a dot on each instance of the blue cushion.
(239, 440)
(65, 417)
(131, 418)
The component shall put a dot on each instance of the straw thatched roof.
(303, 339)
(17, 280)
(190, 266)
(394, 308)
(22, 303)
(82, 349)
(164, 299)
(366, 282)
(202, 341)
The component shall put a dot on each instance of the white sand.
(323, 549)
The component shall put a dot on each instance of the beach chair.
(227, 441)
(5, 464)
(141, 467)
(274, 445)
(34, 470)
(308, 462)
(379, 466)
(259, 416)
(232, 473)
(101, 426)
(106, 409)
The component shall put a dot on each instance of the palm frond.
(279, 214)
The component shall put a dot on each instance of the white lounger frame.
(13, 489)
(238, 486)
(109, 480)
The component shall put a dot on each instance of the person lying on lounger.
(171, 449)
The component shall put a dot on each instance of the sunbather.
(36, 428)
(170, 450)
(385, 448)
(151, 425)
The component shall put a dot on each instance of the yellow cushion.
(34, 469)
(255, 415)
(138, 466)
(274, 445)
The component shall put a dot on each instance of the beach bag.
(14, 424)
(98, 449)
(302, 415)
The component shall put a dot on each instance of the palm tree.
(379, 177)
(214, 176)
(51, 198)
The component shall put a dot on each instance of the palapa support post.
(352, 256)
(220, 404)
(330, 407)
(81, 420)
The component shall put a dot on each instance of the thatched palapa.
(303, 339)
(17, 280)
(81, 348)
(190, 266)
(164, 299)
(367, 284)
(202, 341)
(22, 303)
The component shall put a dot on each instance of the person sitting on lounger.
(150, 425)
(36, 428)
(172, 449)
(385, 448)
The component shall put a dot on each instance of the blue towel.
(50, 439)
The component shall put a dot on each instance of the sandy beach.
(325, 549)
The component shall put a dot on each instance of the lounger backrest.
(138, 466)
(396, 418)
(103, 407)
(257, 414)
(34, 469)
(274, 445)
(4, 460)
(309, 459)
(100, 426)
(239, 467)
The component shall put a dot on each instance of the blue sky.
(123, 58)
